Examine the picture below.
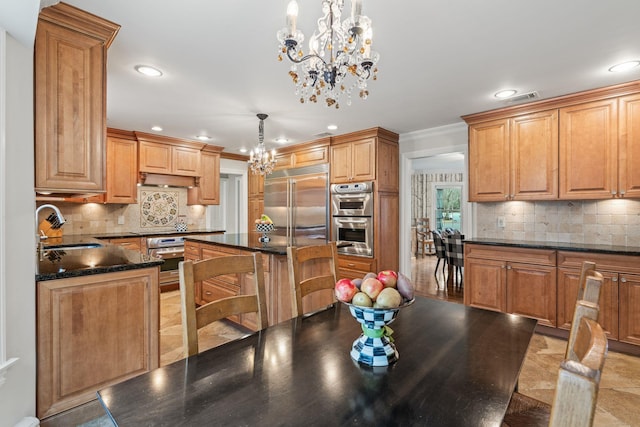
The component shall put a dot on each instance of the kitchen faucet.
(60, 221)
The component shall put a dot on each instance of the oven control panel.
(356, 187)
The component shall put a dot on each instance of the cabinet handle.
(613, 192)
(506, 196)
(508, 267)
(207, 293)
(623, 280)
(614, 279)
(350, 265)
(622, 193)
(503, 266)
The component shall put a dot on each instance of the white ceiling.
(439, 60)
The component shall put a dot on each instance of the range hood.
(163, 180)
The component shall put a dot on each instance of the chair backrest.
(195, 318)
(423, 226)
(578, 382)
(439, 244)
(586, 309)
(454, 250)
(301, 285)
(592, 294)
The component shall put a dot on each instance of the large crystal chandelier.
(260, 160)
(336, 50)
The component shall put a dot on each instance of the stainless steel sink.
(72, 246)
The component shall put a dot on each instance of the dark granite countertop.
(277, 245)
(558, 246)
(58, 263)
(154, 233)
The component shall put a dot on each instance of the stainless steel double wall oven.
(352, 218)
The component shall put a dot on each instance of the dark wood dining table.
(457, 366)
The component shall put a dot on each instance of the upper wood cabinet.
(514, 158)
(589, 150)
(70, 92)
(207, 192)
(578, 146)
(122, 167)
(301, 155)
(168, 156)
(368, 155)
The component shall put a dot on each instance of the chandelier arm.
(304, 58)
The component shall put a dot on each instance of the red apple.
(388, 278)
(345, 290)
(371, 287)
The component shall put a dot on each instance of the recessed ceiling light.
(281, 140)
(505, 93)
(243, 150)
(157, 128)
(625, 66)
(203, 137)
(148, 70)
(332, 127)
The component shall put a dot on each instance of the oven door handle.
(351, 220)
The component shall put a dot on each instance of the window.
(447, 212)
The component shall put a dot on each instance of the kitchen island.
(97, 319)
(540, 280)
(274, 256)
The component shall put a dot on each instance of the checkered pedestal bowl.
(374, 347)
(264, 229)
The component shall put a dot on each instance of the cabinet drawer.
(191, 251)
(606, 262)
(213, 292)
(360, 265)
(503, 253)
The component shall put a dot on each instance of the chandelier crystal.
(337, 49)
(261, 161)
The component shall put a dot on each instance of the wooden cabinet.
(574, 147)
(514, 158)
(207, 192)
(92, 332)
(256, 185)
(354, 267)
(589, 150)
(620, 298)
(256, 208)
(70, 98)
(168, 156)
(353, 161)
(629, 147)
(512, 280)
(122, 167)
(301, 155)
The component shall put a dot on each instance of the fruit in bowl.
(387, 289)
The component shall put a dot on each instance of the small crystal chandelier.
(260, 160)
(336, 50)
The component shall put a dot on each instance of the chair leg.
(435, 273)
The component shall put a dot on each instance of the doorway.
(226, 216)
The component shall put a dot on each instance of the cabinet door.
(341, 163)
(122, 170)
(69, 110)
(131, 243)
(363, 160)
(534, 156)
(629, 149)
(256, 208)
(568, 282)
(208, 192)
(154, 158)
(256, 185)
(588, 150)
(388, 178)
(185, 161)
(489, 161)
(531, 292)
(485, 284)
(629, 316)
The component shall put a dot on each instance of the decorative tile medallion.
(158, 208)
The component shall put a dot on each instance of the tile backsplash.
(145, 216)
(609, 222)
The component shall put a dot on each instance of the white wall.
(425, 143)
(17, 395)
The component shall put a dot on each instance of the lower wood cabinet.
(354, 267)
(512, 280)
(92, 332)
(132, 243)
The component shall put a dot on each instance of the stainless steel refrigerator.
(297, 200)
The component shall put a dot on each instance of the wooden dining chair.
(576, 392)
(592, 295)
(301, 284)
(423, 237)
(591, 287)
(195, 318)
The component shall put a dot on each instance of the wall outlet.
(500, 222)
(120, 219)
